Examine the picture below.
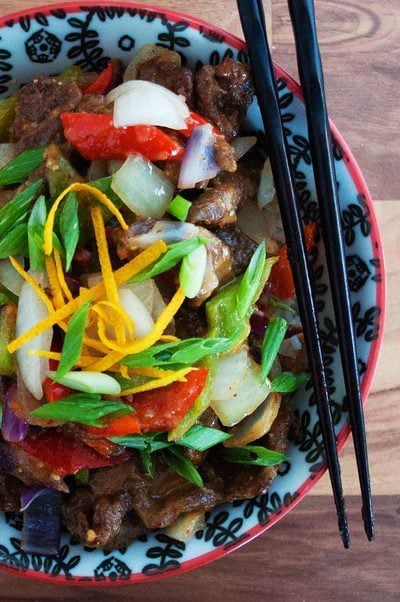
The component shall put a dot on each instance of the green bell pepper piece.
(223, 321)
(7, 114)
(8, 317)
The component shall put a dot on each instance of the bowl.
(45, 41)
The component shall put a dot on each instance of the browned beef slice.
(94, 103)
(121, 501)
(224, 93)
(171, 170)
(10, 493)
(225, 155)
(38, 108)
(175, 78)
(228, 192)
(245, 482)
(124, 242)
(190, 322)
(241, 246)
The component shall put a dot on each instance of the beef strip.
(224, 93)
(190, 322)
(124, 241)
(171, 170)
(10, 493)
(240, 245)
(168, 74)
(122, 501)
(225, 156)
(38, 109)
(218, 268)
(228, 192)
(94, 103)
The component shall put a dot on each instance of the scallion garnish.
(72, 347)
(37, 220)
(69, 227)
(16, 211)
(192, 272)
(177, 354)
(179, 208)
(254, 455)
(15, 242)
(174, 255)
(250, 281)
(147, 462)
(176, 459)
(287, 382)
(83, 409)
(201, 437)
(88, 382)
(136, 441)
(17, 170)
(273, 338)
(278, 304)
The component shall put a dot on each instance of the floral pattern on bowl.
(45, 41)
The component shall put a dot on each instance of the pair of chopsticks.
(311, 77)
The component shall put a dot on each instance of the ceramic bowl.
(46, 41)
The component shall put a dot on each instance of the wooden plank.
(299, 559)
(360, 44)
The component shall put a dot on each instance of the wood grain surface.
(300, 558)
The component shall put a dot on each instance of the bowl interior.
(45, 41)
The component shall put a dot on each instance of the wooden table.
(301, 558)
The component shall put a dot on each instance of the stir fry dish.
(149, 339)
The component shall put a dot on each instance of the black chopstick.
(252, 19)
(312, 81)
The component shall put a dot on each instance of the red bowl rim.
(361, 186)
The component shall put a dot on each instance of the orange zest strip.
(53, 355)
(57, 294)
(129, 270)
(30, 280)
(106, 269)
(78, 187)
(61, 277)
(117, 309)
(141, 344)
(168, 338)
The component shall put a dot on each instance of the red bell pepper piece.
(157, 410)
(103, 82)
(95, 137)
(54, 391)
(64, 454)
(193, 121)
(281, 278)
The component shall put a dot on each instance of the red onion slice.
(30, 495)
(42, 524)
(13, 428)
(199, 160)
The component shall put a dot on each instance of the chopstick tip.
(369, 526)
(344, 531)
